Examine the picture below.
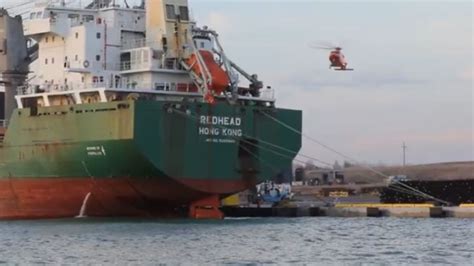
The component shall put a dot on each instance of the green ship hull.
(138, 157)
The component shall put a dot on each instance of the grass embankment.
(437, 171)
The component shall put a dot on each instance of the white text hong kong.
(219, 126)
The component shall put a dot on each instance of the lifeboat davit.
(220, 79)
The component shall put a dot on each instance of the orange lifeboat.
(220, 79)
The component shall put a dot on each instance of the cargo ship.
(112, 110)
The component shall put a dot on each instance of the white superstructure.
(105, 52)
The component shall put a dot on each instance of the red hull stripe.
(32, 198)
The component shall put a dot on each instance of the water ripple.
(299, 241)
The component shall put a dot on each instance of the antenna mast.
(404, 147)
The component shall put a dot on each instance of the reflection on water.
(239, 241)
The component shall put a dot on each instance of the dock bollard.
(315, 211)
(373, 212)
(437, 212)
(286, 212)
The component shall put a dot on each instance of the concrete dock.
(356, 210)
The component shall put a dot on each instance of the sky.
(412, 82)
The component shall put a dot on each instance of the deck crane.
(255, 83)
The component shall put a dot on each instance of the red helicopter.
(336, 57)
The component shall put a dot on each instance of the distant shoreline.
(432, 171)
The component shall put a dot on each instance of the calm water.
(243, 241)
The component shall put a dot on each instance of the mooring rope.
(410, 190)
(421, 193)
(294, 153)
(275, 169)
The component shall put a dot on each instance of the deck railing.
(165, 87)
(137, 43)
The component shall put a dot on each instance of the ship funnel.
(13, 58)
(168, 26)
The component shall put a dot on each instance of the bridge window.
(160, 86)
(46, 61)
(170, 12)
(136, 57)
(98, 35)
(74, 17)
(184, 13)
(146, 55)
(97, 57)
(87, 18)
